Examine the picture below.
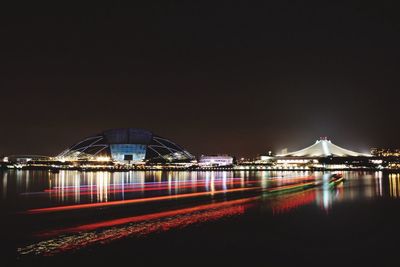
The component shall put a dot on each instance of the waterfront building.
(23, 159)
(324, 153)
(215, 161)
(264, 160)
(324, 148)
(126, 146)
(385, 152)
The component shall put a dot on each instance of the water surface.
(198, 218)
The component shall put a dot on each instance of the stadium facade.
(127, 145)
(323, 154)
(323, 148)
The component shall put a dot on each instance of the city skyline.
(263, 152)
(199, 133)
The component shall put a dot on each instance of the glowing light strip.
(293, 178)
(70, 190)
(81, 240)
(146, 217)
(151, 223)
(292, 201)
(145, 186)
(144, 183)
(131, 201)
(287, 204)
(290, 187)
(160, 188)
(183, 182)
(336, 181)
(89, 188)
(160, 198)
(111, 190)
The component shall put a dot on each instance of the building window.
(128, 152)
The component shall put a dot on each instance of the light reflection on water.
(69, 187)
(38, 189)
(104, 232)
(394, 185)
(4, 185)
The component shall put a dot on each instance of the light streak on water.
(132, 201)
(88, 235)
(103, 232)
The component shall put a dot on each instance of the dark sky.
(216, 77)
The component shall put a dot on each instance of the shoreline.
(194, 169)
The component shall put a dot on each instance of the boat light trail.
(145, 189)
(132, 187)
(103, 232)
(182, 218)
(285, 188)
(139, 184)
(151, 188)
(145, 217)
(219, 180)
(168, 197)
(139, 200)
(286, 203)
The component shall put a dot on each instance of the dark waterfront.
(199, 218)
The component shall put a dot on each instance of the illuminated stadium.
(127, 145)
(324, 148)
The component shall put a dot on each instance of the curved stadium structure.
(324, 148)
(127, 145)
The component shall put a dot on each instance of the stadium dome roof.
(127, 145)
(324, 148)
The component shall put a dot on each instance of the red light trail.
(287, 203)
(161, 198)
(139, 200)
(144, 183)
(146, 217)
(158, 222)
(173, 183)
(288, 187)
(145, 189)
(77, 237)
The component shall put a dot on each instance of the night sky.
(216, 77)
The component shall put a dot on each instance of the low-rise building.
(385, 152)
(215, 161)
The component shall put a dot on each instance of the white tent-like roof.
(324, 148)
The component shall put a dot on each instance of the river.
(254, 218)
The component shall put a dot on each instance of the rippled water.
(238, 217)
